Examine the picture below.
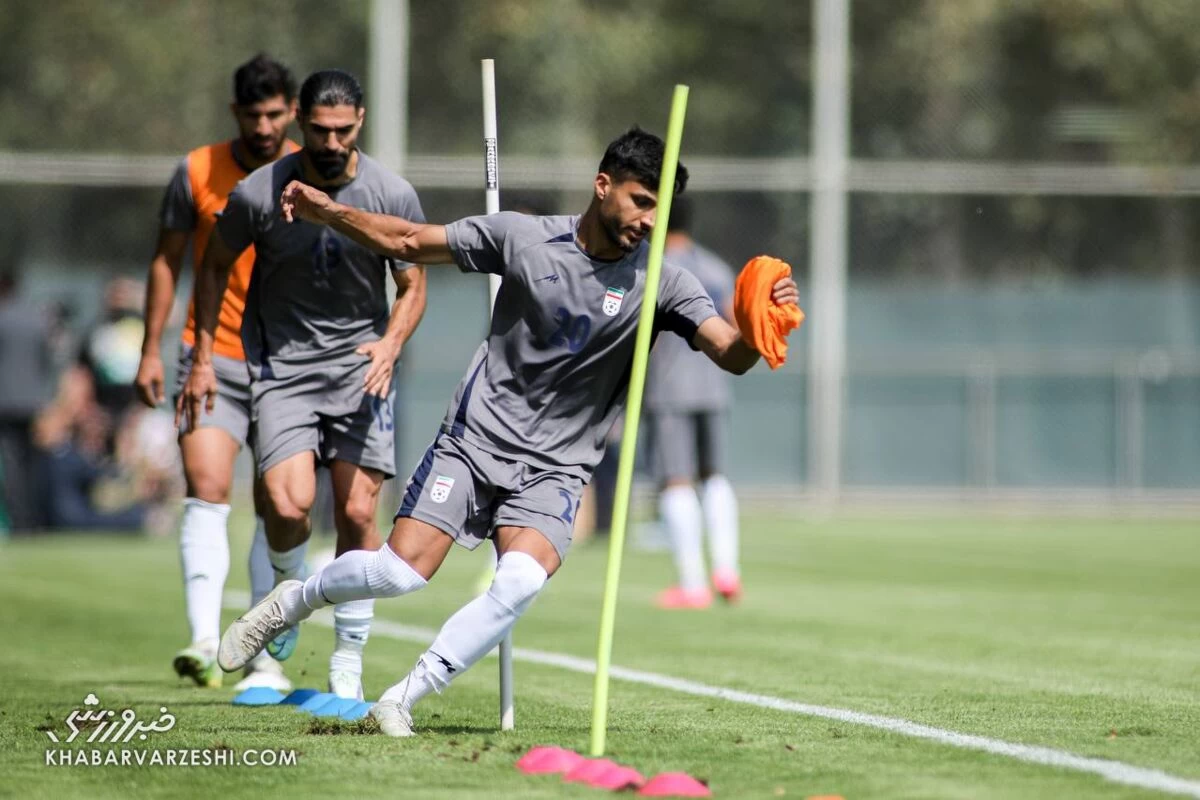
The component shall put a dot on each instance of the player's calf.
(465, 638)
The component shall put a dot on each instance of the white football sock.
(204, 554)
(287, 564)
(721, 520)
(474, 629)
(681, 513)
(262, 577)
(360, 575)
(352, 626)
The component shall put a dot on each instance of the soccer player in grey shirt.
(264, 106)
(527, 424)
(687, 405)
(320, 345)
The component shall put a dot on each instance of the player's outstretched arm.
(415, 242)
(723, 343)
(160, 296)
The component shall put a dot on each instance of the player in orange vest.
(264, 106)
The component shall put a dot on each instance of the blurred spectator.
(105, 462)
(89, 487)
(26, 380)
(113, 347)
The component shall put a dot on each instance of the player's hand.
(383, 355)
(785, 291)
(301, 201)
(149, 380)
(200, 389)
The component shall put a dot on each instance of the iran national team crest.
(612, 301)
(440, 490)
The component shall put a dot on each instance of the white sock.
(204, 554)
(721, 520)
(681, 513)
(360, 575)
(351, 626)
(287, 564)
(262, 577)
(474, 629)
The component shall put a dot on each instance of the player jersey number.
(385, 415)
(572, 507)
(572, 332)
(326, 255)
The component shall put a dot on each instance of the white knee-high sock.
(681, 513)
(358, 575)
(287, 564)
(351, 627)
(262, 577)
(204, 554)
(474, 629)
(721, 520)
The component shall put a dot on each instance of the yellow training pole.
(637, 383)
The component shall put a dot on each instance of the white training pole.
(491, 182)
(491, 155)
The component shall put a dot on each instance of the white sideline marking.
(1115, 771)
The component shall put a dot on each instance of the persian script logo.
(111, 726)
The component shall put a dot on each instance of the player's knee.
(208, 486)
(519, 579)
(360, 512)
(287, 509)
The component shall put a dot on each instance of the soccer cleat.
(393, 718)
(282, 646)
(198, 662)
(728, 585)
(679, 598)
(346, 684)
(250, 632)
(265, 673)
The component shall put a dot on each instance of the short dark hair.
(330, 87)
(262, 78)
(638, 155)
(681, 215)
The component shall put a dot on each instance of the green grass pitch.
(1082, 636)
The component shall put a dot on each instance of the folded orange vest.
(764, 324)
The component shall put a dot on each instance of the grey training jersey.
(315, 295)
(680, 379)
(178, 209)
(552, 376)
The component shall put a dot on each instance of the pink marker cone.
(548, 760)
(674, 784)
(589, 770)
(618, 778)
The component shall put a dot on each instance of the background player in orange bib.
(264, 106)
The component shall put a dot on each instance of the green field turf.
(1081, 636)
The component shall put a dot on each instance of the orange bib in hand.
(764, 324)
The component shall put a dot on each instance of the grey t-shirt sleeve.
(478, 243)
(238, 221)
(683, 304)
(178, 211)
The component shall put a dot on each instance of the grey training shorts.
(324, 409)
(231, 411)
(687, 444)
(467, 492)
